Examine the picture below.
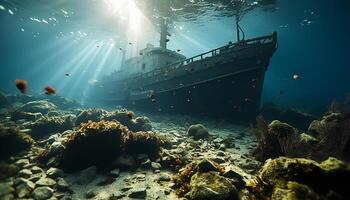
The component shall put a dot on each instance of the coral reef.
(40, 106)
(143, 143)
(12, 140)
(126, 118)
(198, 131)
(94, 143)
(333, 134)
(290, 116)
(47, 125)
(90, 115)
(327, 137)
(299, 178)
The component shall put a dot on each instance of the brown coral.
(95, 143)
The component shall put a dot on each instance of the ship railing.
(224, 49)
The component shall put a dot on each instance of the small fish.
(130, 43)
(296, 77)
(67, 74)
(178, 50)
(130, 114)
(141, 53)
(120, 49)
(49, 90)
(281, 92)
(154, 100)
(98, 46)
(22, 85)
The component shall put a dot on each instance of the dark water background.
(313, 37)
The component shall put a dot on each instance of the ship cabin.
(149, 59)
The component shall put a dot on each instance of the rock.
(138, 193)
(36, 177)
(5, 189)
(36, 170)
(146, 163)
(42, 193)
(25, 173)
(206, 166)
(53, 172)
(222, 147)
(218, 160)
(156, 165)
(8, 197)
(24, 188)
(62, 185)
(90, 194)
(22, 162)
(210, 185)
(322, 178)
(38, 107)
(106, 181)
(93, 115)
(164, 177)
(218, 140)
(43, 181)
(125, 161)
(115, 173)
(198, 131)
(56, 148)
(87, 175)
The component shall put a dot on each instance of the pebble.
(90, 194)
(42, 193)
(6, 189)
(22, 162)
(25, 173)
(115, 173)
(53, 172)
(36, 170)
(62, 185)
(24, 188)
(164, 177)
(156, 165)
(139, 193)
(43, 181)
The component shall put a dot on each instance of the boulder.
(42, 193)
(211, 186)
(198, 131)
(41, 106)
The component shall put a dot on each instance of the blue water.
(84, 42)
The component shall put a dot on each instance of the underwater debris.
(12, 140)
(22, 86)
(198, 131)
(41, 106)
(94, 115)
(284, 178)
(46, 125)
(94, 143)
(49, 90)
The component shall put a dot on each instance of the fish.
(296, 77)
(49, 90)
(121, 49)
(281, 92)
(67, 74)
(130, 114)
(178, 50)
(22, 86)
(141, 54)
(130, 43)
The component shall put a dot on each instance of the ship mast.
(163, 33)
(238, 5)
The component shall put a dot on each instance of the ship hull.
(228, 85)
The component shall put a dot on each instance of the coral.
(301, 178)
(126, 118)
(280, 139)
(183, 178)
(94, 143)
(47, 125)
(12, 140)
(198, 131)
(290, 116)
(333, 134)
(40, 106)
(90, 115)
(143, 142)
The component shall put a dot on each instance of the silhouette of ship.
(225, 82)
